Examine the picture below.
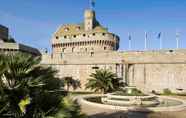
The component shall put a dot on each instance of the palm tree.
(102, 80)
(28, 90)
(70, 82)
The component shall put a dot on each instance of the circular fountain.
(131, 98)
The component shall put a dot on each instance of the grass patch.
(80, 93)
(134, 92)
(168, 92)
(122, 99)
(94, 99)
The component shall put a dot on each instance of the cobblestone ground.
(95, 112)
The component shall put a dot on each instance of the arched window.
(66, 29)
(63, 50)
(73, 49)
(91, 54)
(78, 28)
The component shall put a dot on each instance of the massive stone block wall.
(85, 43)
(157, 70)
(79, 66)
(80, 72)
(147, 70)
(157, 77)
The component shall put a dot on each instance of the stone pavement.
(95, 112)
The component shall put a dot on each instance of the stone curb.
(81, 100)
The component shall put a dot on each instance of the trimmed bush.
(167, 91)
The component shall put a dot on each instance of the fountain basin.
(146, 100)
(169, 104)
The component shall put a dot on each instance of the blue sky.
(34, 21)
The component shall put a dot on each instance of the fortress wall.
(157, 77)
(103, 57)
(87, 37)
(81, 65)
(85, 43)
(157, 70)
(150, 70)
(164, 56)
(81, 72)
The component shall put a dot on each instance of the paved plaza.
(95, 112)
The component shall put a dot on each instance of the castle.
(80, 49)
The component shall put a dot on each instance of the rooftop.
(75, 29)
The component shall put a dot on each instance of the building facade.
(3, 33)
(8, 45)
(79, 49)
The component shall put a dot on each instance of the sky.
(33, 22)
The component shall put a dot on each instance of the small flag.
(177, 38)
(130, 38)
(159, 35)
(145, 35)
(93, 3)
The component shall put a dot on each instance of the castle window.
(74, 36)
(66, 29)
(171, 50)
(77, 28)
(105, 48)
(93, 34)
(103, 34)
(84, 35)
(85, 49)
(65, 37)
(73, 49)
(95, 67)
(91, 54)
(57, 37)
(63, 50)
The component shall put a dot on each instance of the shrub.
(167, 91)
(29, 90)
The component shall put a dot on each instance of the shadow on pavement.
(121, 114)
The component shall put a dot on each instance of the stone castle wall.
(157, 70)
(157, 77)
(81, 65)
(88, 42)
(148, 71)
